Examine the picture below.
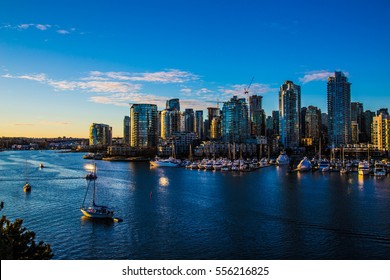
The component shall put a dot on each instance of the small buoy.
(117, 220)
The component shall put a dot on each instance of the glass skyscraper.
(289, 114)
(126, 130)
(100, 134)
(339, 110)
(143, 125)
(199, 129)
(235, 120)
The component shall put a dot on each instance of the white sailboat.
(282, 159)
(304, 165)
(93, 210)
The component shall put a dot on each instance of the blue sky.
(66, 64)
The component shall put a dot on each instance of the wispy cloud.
(319, 75)
(39, 26)
(239, 89)
(166, 76)
(115, 88)
(23, 124)
(62, 31)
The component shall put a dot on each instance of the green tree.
(17, 243)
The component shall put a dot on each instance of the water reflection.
(163, 181)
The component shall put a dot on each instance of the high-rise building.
(173, 104)
(368, 117)
(143, 125)
(213, 112)
(100, 134)
(354, 132)
(313, 124)
(235, 121)
(199, 124)
(339, 109)
(189, 120)
(382, 111)
(380, 131)
(126, 130)
(289, 114)
(303, 122)
(215, 128)
(275, 119)
(170, 122)
(256, 115)
(358, 117)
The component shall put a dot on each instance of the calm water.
(265, 214)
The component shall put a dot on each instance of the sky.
(67, 64)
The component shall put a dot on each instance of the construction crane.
(214, 101)
(246, 90)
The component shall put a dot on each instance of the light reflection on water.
(196, 214)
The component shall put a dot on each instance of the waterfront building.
(126, 130)
(289, 114)
(357, 115)
(384, 111)
(143, 125)
(339, 109)
(367, 122)
(354, 132)
(179, 141)
(213, 112)
(275, 118)
(215, 128)
(206, 127)
(312, 124)
(189, 120)
(100, 134)
(170, 122)
(302, 129)
(235, 122)
(256, 116)
(380, 131)
(173, 104)
(269, 126)
(198, 124)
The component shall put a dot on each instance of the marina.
(191, 213)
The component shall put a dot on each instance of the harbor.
(183, 213)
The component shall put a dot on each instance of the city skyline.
(66, 66)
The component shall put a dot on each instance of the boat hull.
(96, 214)
(163, 164)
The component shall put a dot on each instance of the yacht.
(282, 159)
(363, 168)
(324, 165)
(170, 162)
(379, 169)
(304, 165)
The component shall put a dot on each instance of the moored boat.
(379, 169)
(282, 159)
(304, 165)
(363, 168)
(170, 162)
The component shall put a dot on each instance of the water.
(265, 214)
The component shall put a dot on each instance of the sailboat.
(93, 210)
(27, 186)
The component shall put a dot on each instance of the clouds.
(320, 75)
(116, 88)
(121, 88)
(166, 76)
(40, 27)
